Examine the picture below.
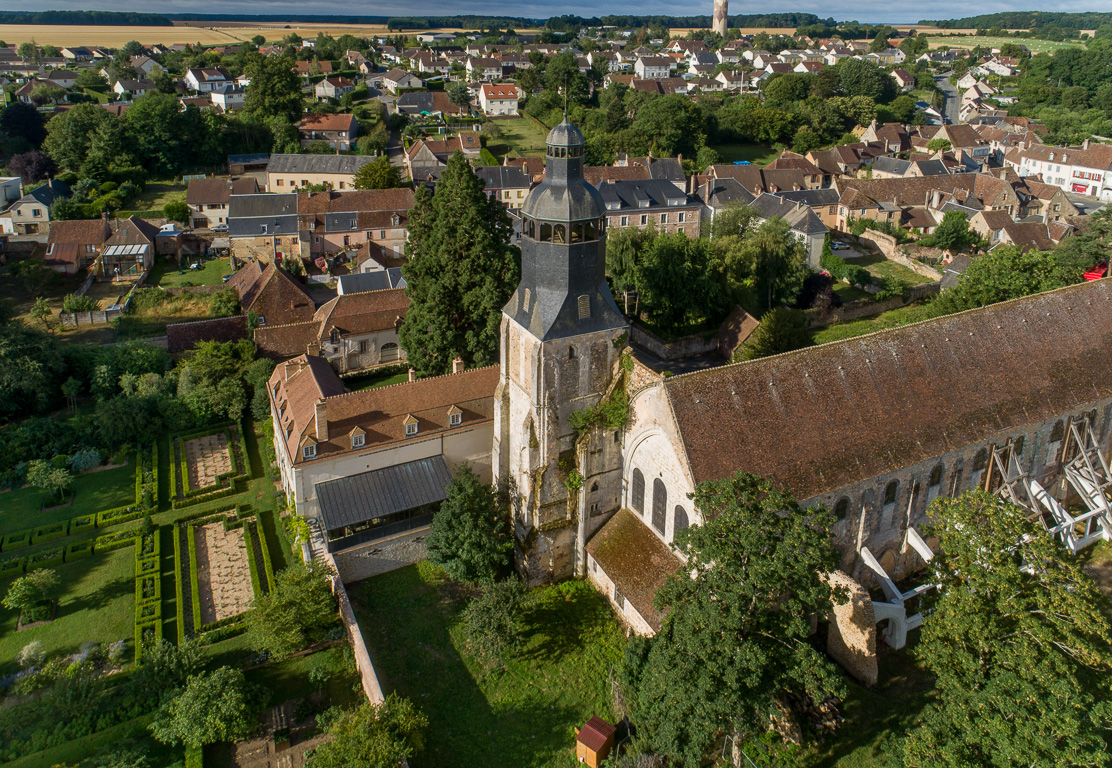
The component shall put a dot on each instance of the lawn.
(165, 274)
(522, 715)
(757, 154)
(92, 492)
(525, 135)
(886, 269)
(848, 293)
(971, 41)
(97, 605)
(155, 196)
(142, 323)
(376, 380)
(20, 301)
(892, 319)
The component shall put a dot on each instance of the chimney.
(457, 365)
(322, 421)
(412, 374)
(1085, 144)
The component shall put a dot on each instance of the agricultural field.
(971, 41)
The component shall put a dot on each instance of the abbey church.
(874, 427)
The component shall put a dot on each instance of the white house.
(483, 69)
(499, 99)
(206, 78)
(652, 67)
(228, 97)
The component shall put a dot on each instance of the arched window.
(559, 234)
(934, 485)
(660, 504)
(1058, 432)
(546, 233)
(590, 231)
(1017, 446)
(841, 509)
(890, 492)
(637, 493)
(679, 520)
(531, 228)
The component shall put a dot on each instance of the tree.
(953, 233)
(299, 610)
(777, 262)
(781, 330)
(461, 272)
(90, 78)
(490, 620)
(29, 365)
(734, 639)
(31, 166)
(165, 668)
(44, 475)
(27, 51)
(224, 303)
(939, 145)
(375, 141)
(70, 134)
(370, 736)
(37, 588)
(1006, 272)
(176, 210)
(275, 89)
(42, 313)
(459, 94)
(378, 174)
(858, 77)
(35, 275)
(1018, 645)
(23, 121)
(469, 537)
(213, 707)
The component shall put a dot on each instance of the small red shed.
(594, 741)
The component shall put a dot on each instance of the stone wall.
(688, 346)
(885, 243)
(851, 635)
(861, 308)
(381, 556)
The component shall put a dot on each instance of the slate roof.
(756, 180)
(503, 177)
(383, 492)
(799, 217)
(628, 195)
(379, 280)
(217, 191)
(812, 197)
(248, 213)
(636, 560)
(897, 397)
(47, 193)
(339, 164)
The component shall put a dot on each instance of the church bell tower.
(561, 339)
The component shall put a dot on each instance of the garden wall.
(861, 308)
(689, 346)
(367, 675)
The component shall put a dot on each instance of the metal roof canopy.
(383, 492)
(125, 250)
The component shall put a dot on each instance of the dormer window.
(455, 416)
(358, 440)
(410, 425)
(262, 228)
(309, 451)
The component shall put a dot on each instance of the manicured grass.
(96, 605)
(289, 679)
(880, 267)
(848, 293)
(524, 134)
(971, 41)
(92, 492)
(521, 715)
(892, 319)
(165, 274)
(757, 154)
(158, 755)
(374, 381)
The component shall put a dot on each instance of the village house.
(271, 295)
(429, 104)
(228, 97)
(369, 465)
(130, 250)
(653, 67)
(73, 245)
(263, 227)
(397, 80)
(344, 221)
(291, 172)
(656, 203)
(507, 184)
(132, 88)
(307, 69)
(427, 158)
(333, 88)
(354, 332)
(1085, 169)
(482, 68)
(204, 79)
(339, 130)
(208, 199)
(499, 99)
(31, 213)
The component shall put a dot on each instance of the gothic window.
(559, 235)
(637, 493)
(571, 353)
(584, 307)
(841, 509)
(890, 492)
(1017, 446)
(660, 503)
(679, 520)
(934, 484)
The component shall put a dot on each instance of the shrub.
(117, 540)
(17, 540)
(77, 550)
(119, 515)
(83, 523)
(46, 558)
(74, 303)
(148, 588)
(10, 566)
(50, 532)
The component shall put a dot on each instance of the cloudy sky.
(861, 10)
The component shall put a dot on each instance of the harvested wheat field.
(63, 35)
(223, 572)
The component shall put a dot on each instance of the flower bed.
(12, 566)
(181, 494)
(116, 540)
(46, 558)
(82, 523)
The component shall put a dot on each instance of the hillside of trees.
(1025, 20)
(85, 18)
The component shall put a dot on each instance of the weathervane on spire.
(565, 97)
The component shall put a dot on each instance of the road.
(953, 102)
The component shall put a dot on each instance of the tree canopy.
(461, 272)
(735, 637)
(372, 736)
(1005, 272)
(469, 537)
(299, 610)
(213, 707)
(1017, 642)
(781, 330)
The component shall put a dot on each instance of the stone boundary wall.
(861, 308)
(885, 243)
(367, 676)
(689, 346)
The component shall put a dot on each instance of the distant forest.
(86, 18)
(1026, 20)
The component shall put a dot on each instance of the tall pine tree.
(461, 271)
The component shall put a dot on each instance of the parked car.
(839, 247)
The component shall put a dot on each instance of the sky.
(860, 10)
